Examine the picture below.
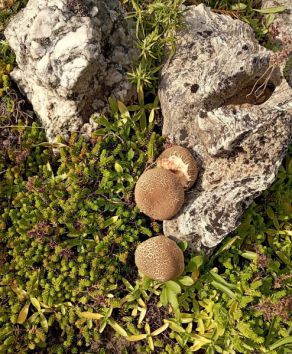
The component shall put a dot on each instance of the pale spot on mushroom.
(176, 165)
(180, 162)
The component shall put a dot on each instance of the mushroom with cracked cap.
(181, 162)
(159, 258)
(159, 194)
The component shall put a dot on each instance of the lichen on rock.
(218, 100)
(71, 55)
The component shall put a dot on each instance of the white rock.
(238, 141)
(71, 55)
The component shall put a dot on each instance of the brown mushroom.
(159, 194)
(159, 258)
(181, 162)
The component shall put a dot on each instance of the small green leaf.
(151, 343)
(44, 323)
(131, 154)
(183, 245)
(150, 150)
(145, 231)
(238, 7)
(21, 294)
(174, 326)
(172, 299)
(160, 330)
(173, 287)
(252, 256)
(91, 315)
(221, 280)
(224, 289)
(151, 116)
(281, 342)
(143, 121)
(271, 10)
(23, 314)
(186, 281)
(102, 120)
(123, 109)
(137, 337)
(163, 297)
(273, 217)
(195, 263)
(36, 303)
(140, 95)
(119, 329)
(118, 168)
(200, 341)
(52, 145)
(270, 19)
(49, 167)
(33, 317)
(142, 315)
(113, 105)
(110, 221)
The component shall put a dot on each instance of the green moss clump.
(69, 226)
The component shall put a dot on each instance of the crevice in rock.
(248, 95)
(240, 138)
(288, 71)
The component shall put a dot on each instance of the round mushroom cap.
(181, 162)
(159, 258)
(159, 194)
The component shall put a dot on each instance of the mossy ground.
(69, 227)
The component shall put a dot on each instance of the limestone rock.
(283, 26)
(213, 104)
(282, 20)
(71, 55)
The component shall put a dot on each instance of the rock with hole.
(71, 55)
(220, 100)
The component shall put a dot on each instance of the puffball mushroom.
(159, 194)
(181, 162)
(159, 258)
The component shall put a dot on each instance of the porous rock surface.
(282, 20)
(71, 55)
(283, 30)
(238, 139)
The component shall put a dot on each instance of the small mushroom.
(159, 258)
(159, 194)
(181, 162)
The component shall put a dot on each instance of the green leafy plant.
(250, 11)
(69, 228)
(156, 22)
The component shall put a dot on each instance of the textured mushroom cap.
(159, 194)
(159, 258)
(181, 162)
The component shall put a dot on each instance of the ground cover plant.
(69, 228)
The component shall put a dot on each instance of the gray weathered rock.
(238, 139)
(283, 25)
(283, 20)
(71, 55)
